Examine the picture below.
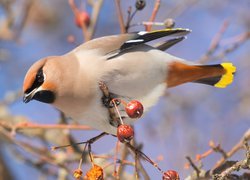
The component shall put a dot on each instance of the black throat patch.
(45, 96)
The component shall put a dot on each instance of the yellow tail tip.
(228, 77)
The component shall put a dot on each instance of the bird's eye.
(38, 81)
(40, 76)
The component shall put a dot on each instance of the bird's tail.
(219, 75)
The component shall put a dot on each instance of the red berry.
(170, 175)
(81, 18)
(134, 109)
(125, 133)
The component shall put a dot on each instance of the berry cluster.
(134, 109)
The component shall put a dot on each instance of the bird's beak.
(27, 97)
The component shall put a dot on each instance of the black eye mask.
(38, 81)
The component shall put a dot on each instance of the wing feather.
(113, 46)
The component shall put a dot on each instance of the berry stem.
(144, 156)
(117, 110)
(124, 103)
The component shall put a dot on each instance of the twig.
(76, 12)
(146, 158)
(9, 13)
(238, 41)
(28, 125)
(124, 156)
(120, 16)
(197, 170)
(237, 147)
(94, 17)
(5, 171)
(240, 38)
(153, 16)
(41, 153)
(243, 164)
(88, 31)
(130, 17)
(215, 42)
(218, 149)
(26, 11)
(204, 155)
(117, 148)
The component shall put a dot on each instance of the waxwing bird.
(130, 68)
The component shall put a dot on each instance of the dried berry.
(125, 133)
(140, 4)
(81, 18)
(77, 173)
(134, 109)
(171, 175)
(95, 173)
(169, 23)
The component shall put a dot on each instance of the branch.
(197, 170)
(237, 147)
(29, 125)
(88, 31)
(94, 17)
(120, 16)
(243, 164)
(153, 16)
(215, 42)
(26, 11)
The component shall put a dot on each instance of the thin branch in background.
(239, 40)
(29, 125)
(120, 16)
(180, 8)
(243, 164)
(88, 30)
(218, 149)
(124, 156)
(41, 153)
(237, 147)
(215, 42)
(12, 26)
(154, 13)
(5, 170)
(26, 10)
(94, 17)
(199, 157)
(197, 170)
(9, 13)
(117, 149)
(76, 12)
(143, 156)
(130, 17)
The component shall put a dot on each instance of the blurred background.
(182, 124)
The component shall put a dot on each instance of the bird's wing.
(115, 45)
(169, 43)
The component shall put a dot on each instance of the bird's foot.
(108, 98)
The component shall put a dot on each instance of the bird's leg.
(108, 102)
(107, 96)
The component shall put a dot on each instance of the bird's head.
(40, 81)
